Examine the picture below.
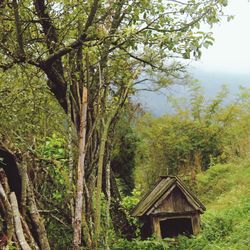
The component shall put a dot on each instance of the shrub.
(149, 244)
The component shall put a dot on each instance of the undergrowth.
(225, 190)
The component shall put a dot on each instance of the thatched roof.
(162, 189)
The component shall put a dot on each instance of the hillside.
(225, 189)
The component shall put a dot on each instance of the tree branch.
(18, 29)
(47, 25)
(186, 26)
(78, 42)
(18, 225)
(140, 59)
(91, 15)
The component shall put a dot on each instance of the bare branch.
(18, 225)
(47, 25)
(140, 59)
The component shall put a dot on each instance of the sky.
(231, 50)
(226, 62)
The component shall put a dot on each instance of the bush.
(217, 227)
(227, 229)
(150, 244)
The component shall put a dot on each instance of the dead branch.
(9, 214)
(18, 224)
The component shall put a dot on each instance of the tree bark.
(24, 176)
(108, 206)
(18, 225)
(27, 231)
(18, 29)
(80, 175)
(9, 213)
(70, 151)
(104, 138)
(37, 219)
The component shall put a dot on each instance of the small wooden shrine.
(169, 209)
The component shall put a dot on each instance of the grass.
(225, 191)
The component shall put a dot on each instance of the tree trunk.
(70, 151)
(18, 225)
(80, 176)
(8, 211)
(108, 206)
(27, 231)
(104, 138)
(24, 176)
(36, 218)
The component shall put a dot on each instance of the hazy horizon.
(211, 81)
(226, 62)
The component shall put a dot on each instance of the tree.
(197, 135)
(124, 143)
(75, 44)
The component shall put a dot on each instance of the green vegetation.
(82, 152)
(199, 134)
(225, 190)
(206, 142)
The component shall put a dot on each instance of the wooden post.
(195, 224)
(156, 228)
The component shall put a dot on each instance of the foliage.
(130, 202)
(224, 179)
(33, 123)
(28, 111)
(159, 29)
(140, 245)
(198, 135)
(10, 246)
(226, 223)
(103, 46)
(224, 185)
(123, 153)
(54, 161)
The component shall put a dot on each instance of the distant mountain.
(157, 104)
